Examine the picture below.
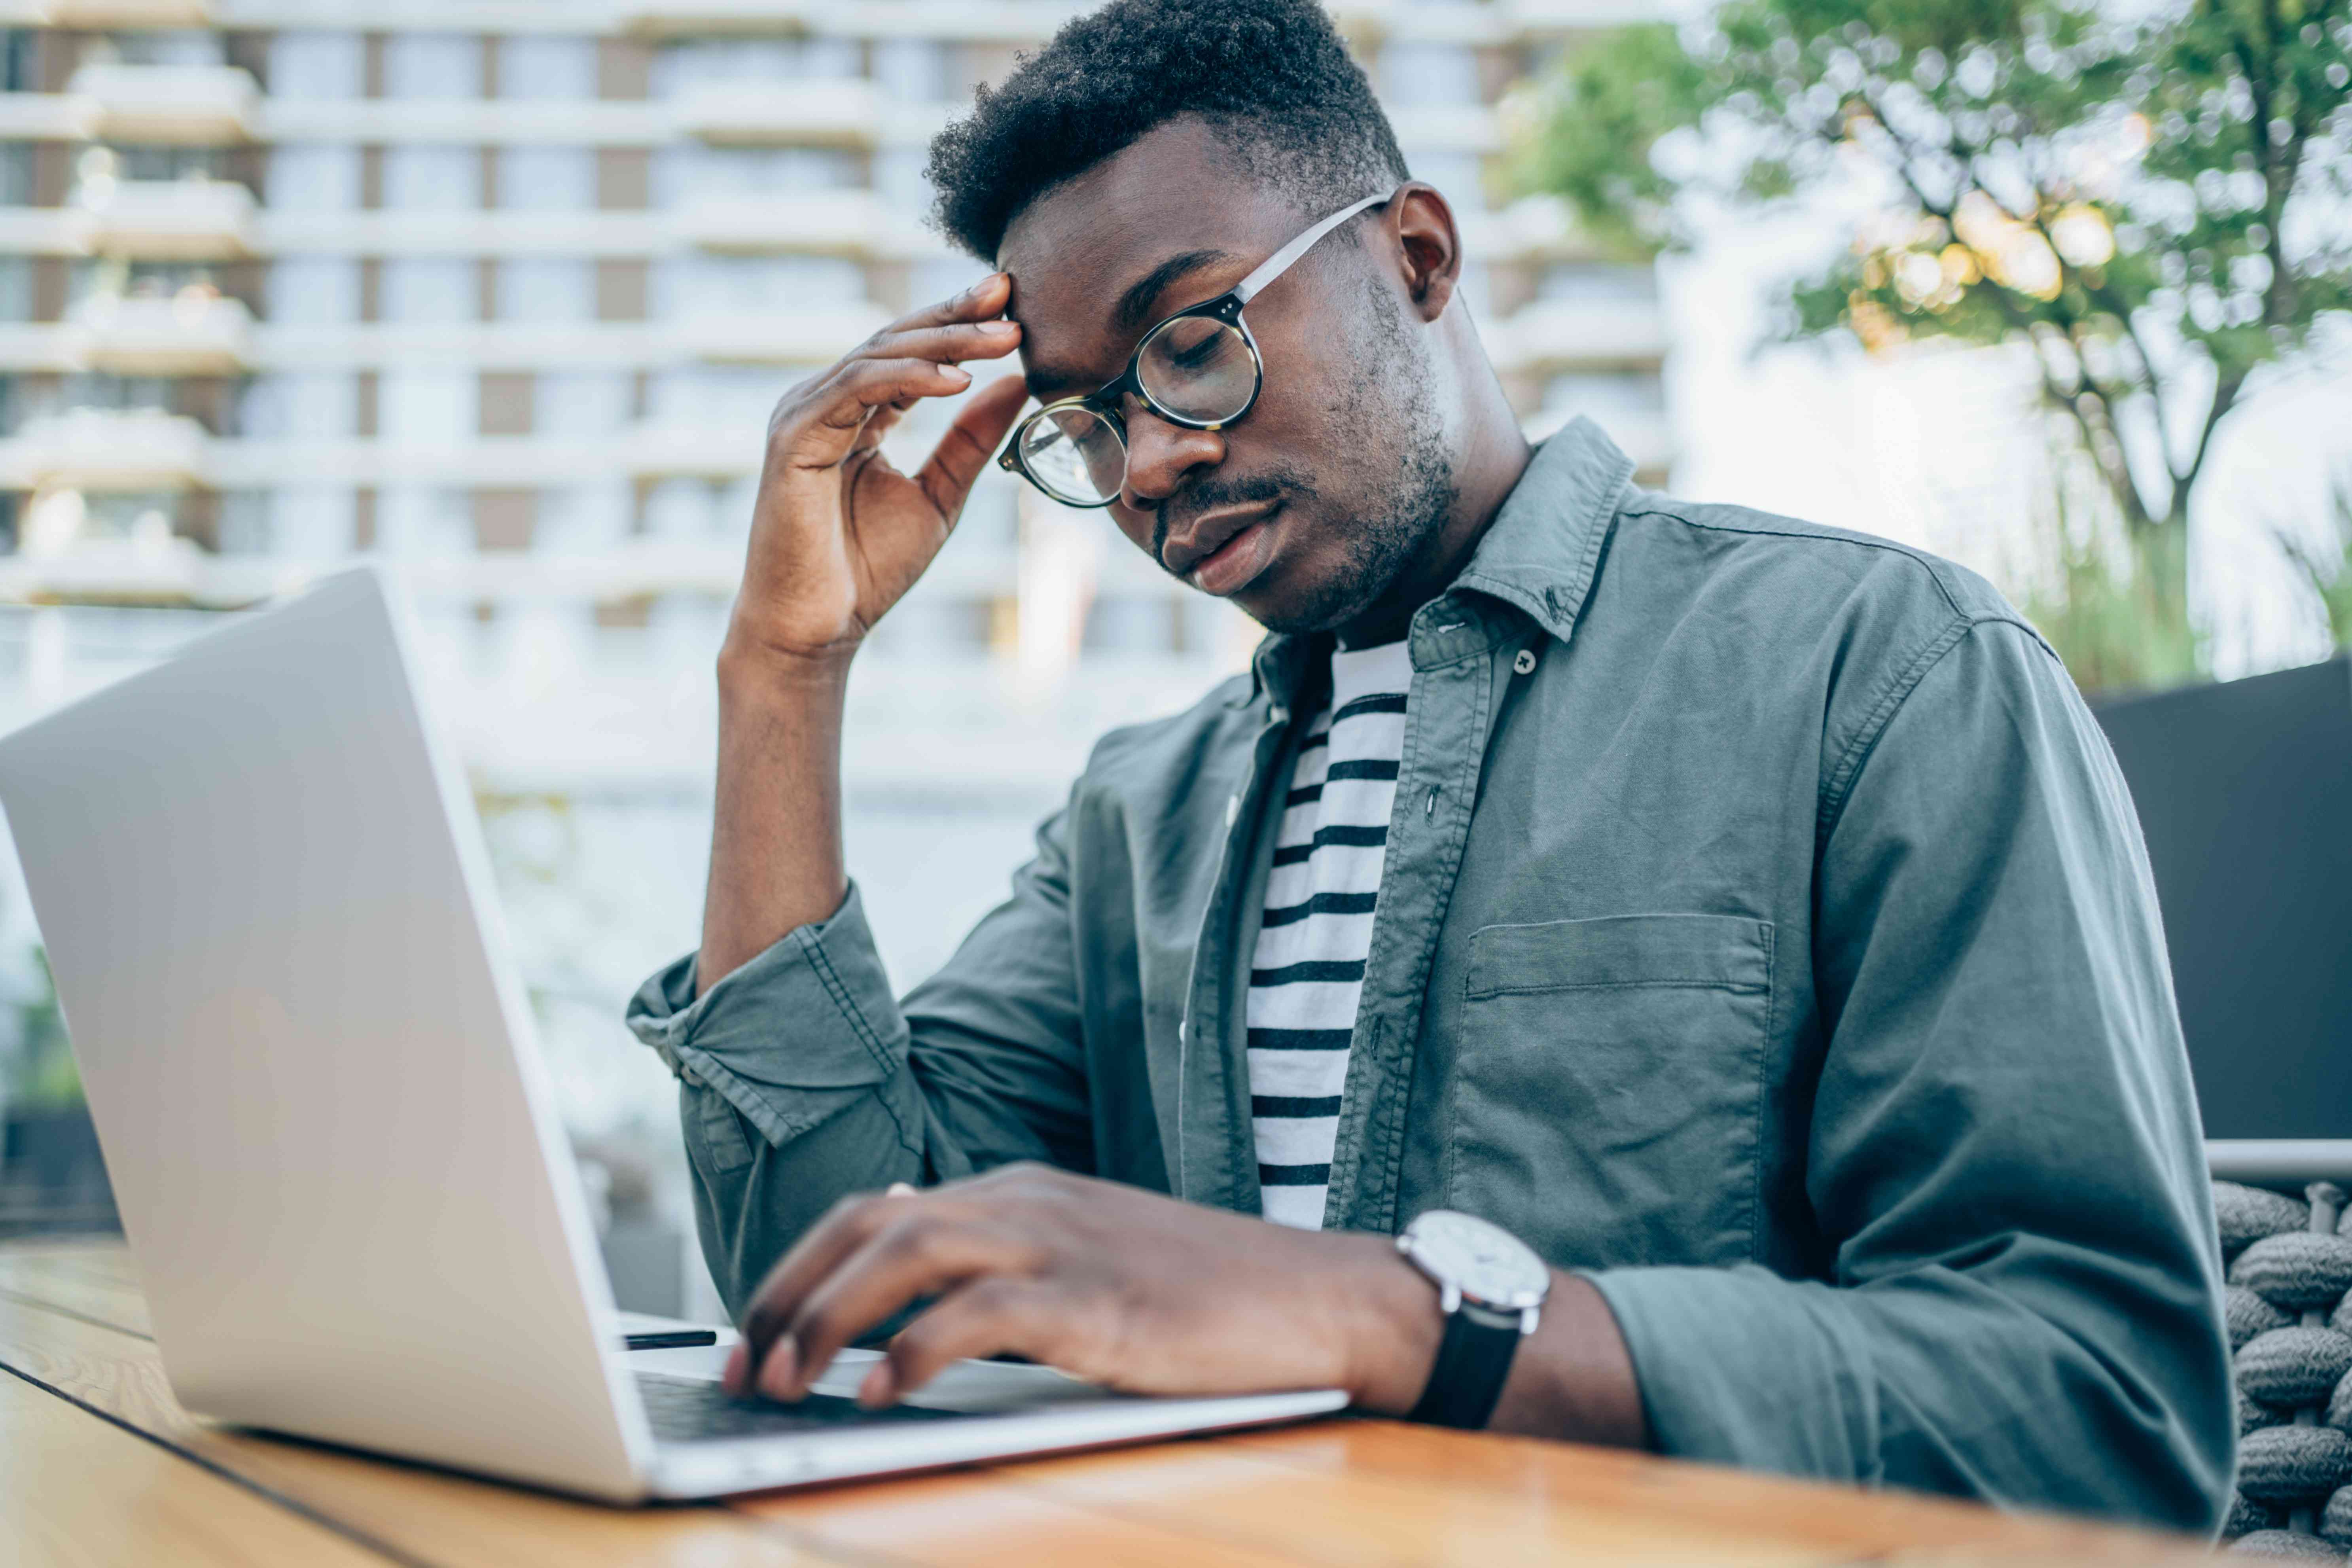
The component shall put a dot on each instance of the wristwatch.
(1491, 1286)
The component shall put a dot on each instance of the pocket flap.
(1718, 951)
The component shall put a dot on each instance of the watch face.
(1488, 1264)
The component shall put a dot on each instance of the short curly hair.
(1271, 77)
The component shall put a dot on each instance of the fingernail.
(780, 1369)
(958, 374)
(739, 1368)
(879, 1387)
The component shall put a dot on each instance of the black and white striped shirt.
(1308, 971)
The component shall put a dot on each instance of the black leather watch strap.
(1472, 1361)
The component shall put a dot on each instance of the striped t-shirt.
(1310, 967)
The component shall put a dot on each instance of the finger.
(736, 1377)
(962, 457)
(958, 341)
(825, 429)
(996, 1316)
(984, 299)
(920, 1253)
(845, 1227)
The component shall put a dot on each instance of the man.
(1743, 919)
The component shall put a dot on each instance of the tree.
(2156, 205)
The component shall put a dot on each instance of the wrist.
(1394, 1326)
(750, 669)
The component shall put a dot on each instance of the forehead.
(1075, 251)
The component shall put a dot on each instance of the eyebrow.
(1132, 312)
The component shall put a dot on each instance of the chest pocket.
(1609, 1079)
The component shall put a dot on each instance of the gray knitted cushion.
(2253, 1415)
(2285, 1543)
(2293, 1366)
(2293, 1464)
(2296, 1270)
(2250, 1315)
(2336, 1520)
(2249, 1214)
(2340, 1406)
(2246, 1516)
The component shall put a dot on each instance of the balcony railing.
(200, 106)
(105, 449)
(823, 222)
(688, 452)
(167, 220)
(805, 112)
(194, 335)
(103, 15)
(812, 337)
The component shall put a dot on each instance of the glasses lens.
(1199, 368)
(1075, 455)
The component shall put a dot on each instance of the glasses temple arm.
(1275, 265)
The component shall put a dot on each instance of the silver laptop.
(333, 1142)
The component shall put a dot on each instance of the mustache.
(1282, 482)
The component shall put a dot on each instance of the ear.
(1429, 246)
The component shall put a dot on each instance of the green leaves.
(2159, 204)
(1598, 121)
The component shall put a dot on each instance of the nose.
(1159, 456)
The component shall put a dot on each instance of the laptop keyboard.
(690, 1410)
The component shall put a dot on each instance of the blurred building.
(506, 291)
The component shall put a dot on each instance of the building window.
(433, 65)
(547, 179)
(432, 178)
(913, 70)
(15, 288)
(314, 176)
(691, 173)
(306, 65)
(780, 60)
(583, 402)
(315, 406)
(434, 288)
(753, 285)
(163, 47)
(314, 289)
(536, 66)
(546, 289)
(1414, 74)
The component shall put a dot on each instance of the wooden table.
(100, 1464)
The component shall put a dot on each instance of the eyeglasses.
(1199, 368)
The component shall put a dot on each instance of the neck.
(1485, 477)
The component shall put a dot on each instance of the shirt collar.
(1539, 555)
(1541, 550)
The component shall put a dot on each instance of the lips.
(1210, 533)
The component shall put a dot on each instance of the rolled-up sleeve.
(804, 1080)
(791, 1037)
(2024, 1304)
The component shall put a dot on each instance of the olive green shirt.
(1766, 933)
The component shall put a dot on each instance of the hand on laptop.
(1126, 1287)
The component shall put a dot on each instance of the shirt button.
(1232, 809)
(1525, 663)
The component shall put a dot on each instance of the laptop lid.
(271, 922)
